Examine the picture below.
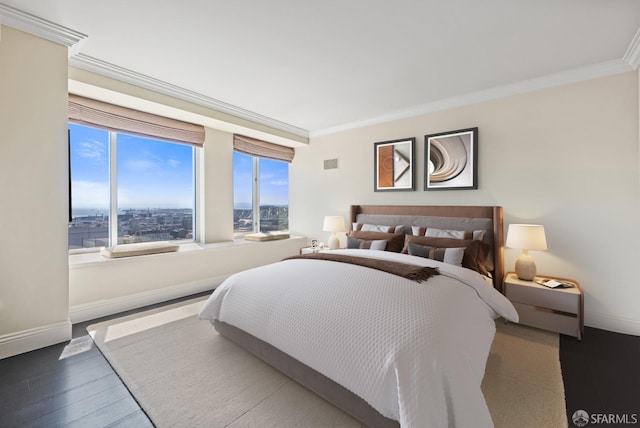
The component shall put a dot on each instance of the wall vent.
(331, 164)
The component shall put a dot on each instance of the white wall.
(215, 193)
(567, 158)
(103, 287)
(41, 286)
(33, 189)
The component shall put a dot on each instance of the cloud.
(150, 163)
(273, 179)
(141, 165)
(278, 183)
(91, 149)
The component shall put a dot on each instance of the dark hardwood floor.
(41, 389)
(69, 385)
(601, 376)
(75, 386)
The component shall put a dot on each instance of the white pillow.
(378, 245)
(432, 232)
(478, 235)
(453, 256)
(377, 228)
(398, 230)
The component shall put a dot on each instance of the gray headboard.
(489, 218)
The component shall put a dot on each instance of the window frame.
(255, 194)
(113, 187)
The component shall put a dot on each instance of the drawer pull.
(553, 311)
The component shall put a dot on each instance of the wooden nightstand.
(555, 309)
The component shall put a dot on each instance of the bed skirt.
(313, 380)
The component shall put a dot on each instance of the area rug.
(184, 374)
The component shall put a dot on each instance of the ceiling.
(325, 65)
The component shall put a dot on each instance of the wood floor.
(40, 389)
(601, 374)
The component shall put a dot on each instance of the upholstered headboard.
(489, 218)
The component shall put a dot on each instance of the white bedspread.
(416, 352)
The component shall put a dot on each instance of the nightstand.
(554, 309)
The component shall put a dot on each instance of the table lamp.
(333, 224)
(526, 237)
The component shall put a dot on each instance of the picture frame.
(394, 165)
(451, 160)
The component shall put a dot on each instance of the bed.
(356, 327)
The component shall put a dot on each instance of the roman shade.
(263, 149)
(87, 111)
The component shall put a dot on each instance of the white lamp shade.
(526, 237)
(334, 223)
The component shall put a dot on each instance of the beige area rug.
(523, 378)
(184, 374)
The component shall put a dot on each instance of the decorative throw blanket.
(411, 272)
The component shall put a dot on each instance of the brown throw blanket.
(412, 272)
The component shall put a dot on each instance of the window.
(263, 183)
(89, 156)
(127, 189)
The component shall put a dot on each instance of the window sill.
(93, 258)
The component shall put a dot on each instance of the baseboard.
(613, 323)
(102, 308)
(34, 338)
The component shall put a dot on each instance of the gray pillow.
(452, 256)
(378, 245)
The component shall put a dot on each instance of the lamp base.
(334, 242)
(526, 267)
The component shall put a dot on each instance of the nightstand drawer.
(548, 320)
(554, 309)
(559, 300)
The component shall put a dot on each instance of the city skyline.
(91, 229)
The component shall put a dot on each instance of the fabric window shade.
(263, 149)
(87, 111)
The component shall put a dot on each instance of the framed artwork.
(451, 160)
(394, 167)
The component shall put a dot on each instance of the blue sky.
(274, 181)
(151, 174)
(156, 174)
(89, 168)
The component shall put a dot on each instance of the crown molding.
(47, 30)
(595, 71)
(632, 56)
(94, 65)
